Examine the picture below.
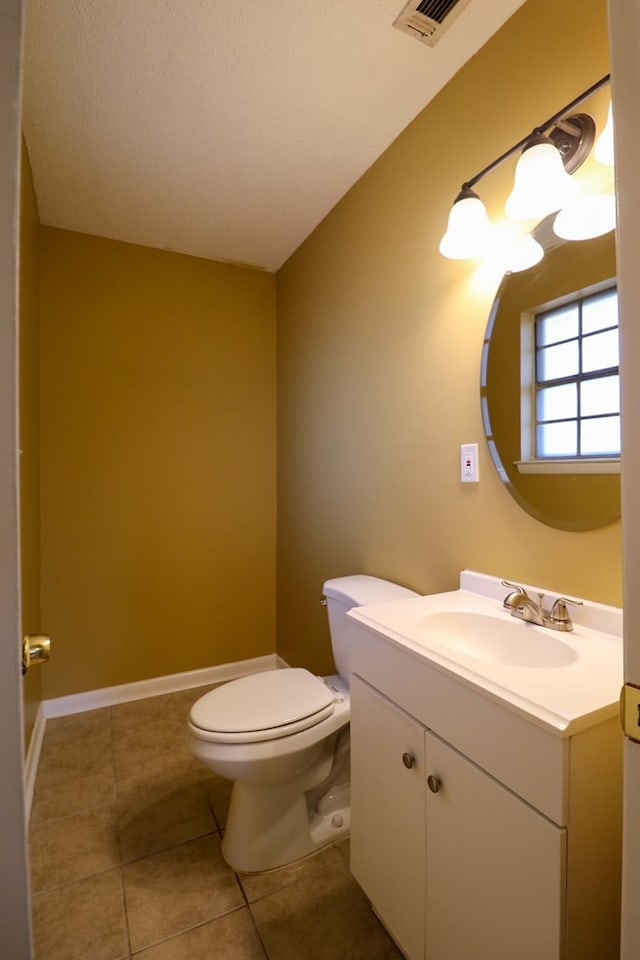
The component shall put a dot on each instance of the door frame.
(15, 906)
(624, 33)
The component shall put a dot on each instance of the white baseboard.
(110, 696)
(32, 759)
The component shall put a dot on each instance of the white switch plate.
(469, 463)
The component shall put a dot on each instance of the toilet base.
(334, 821)
(268, 828)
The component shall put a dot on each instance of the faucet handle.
(559, 612)
(515, 597)
(514, 586)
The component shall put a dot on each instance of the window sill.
(586, 466)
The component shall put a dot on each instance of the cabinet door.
(495, 868)
(388, 814)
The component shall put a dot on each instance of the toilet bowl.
(282, 737)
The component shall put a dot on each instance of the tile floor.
(125, 856)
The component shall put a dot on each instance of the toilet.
(282, 737)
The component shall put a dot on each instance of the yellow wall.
(29, 426)
(158, 462)
(379, 342)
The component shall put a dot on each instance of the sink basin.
(496, 640)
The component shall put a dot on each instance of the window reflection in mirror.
(573, 405)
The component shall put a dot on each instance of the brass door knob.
(409, 760)
(36, 648)
(433, 783)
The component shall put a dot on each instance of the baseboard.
(110, 696)
(32, 759)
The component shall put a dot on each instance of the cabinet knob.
(409, 760)
(433, 783)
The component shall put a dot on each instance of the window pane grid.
(563, 361)
(581, 335)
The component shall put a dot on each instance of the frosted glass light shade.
(586, 217)
(541, 183)
(603, 150)
(468, 228)
(524, 254)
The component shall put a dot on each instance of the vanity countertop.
(563, 681)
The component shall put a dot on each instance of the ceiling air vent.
(427, 20)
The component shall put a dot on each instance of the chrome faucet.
(521, 606)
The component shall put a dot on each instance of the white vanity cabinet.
(494, 867)
(388, 805)
(457, 867)
(475, 833)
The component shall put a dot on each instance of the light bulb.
(523, 254)
(541, 183)
(586, 217)
(468, 228)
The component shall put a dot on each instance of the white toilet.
(282, 737)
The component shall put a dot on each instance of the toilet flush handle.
(323, 601)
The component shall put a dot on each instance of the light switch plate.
(469, 463)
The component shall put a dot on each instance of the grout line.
(70, 883)
(127, 931)
(180, 933)
(172, 846)
(258, 933)
(115, 799)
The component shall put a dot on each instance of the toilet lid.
(264, 706)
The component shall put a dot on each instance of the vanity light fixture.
(586, 217)
(468, 229)
(550, 154)
(523, 254)
(541, 183)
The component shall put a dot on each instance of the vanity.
(486, 769)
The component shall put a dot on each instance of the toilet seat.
(263, 706)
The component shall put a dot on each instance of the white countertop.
(563, 698)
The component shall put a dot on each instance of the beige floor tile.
(79, 725)
(171, 892)
(218, 793)
(259, 885)
(232, 937)
(73, 848)
(146, 754)
(322, 917)
(132, 714)
(70, 743)
(81, 921)
(158, 815)
(153, 733)
(60, 792)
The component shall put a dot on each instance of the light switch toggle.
(469, 463)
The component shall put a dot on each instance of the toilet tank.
(341, 595)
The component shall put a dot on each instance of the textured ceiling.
(224, 129)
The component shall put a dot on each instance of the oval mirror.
(569, 501)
